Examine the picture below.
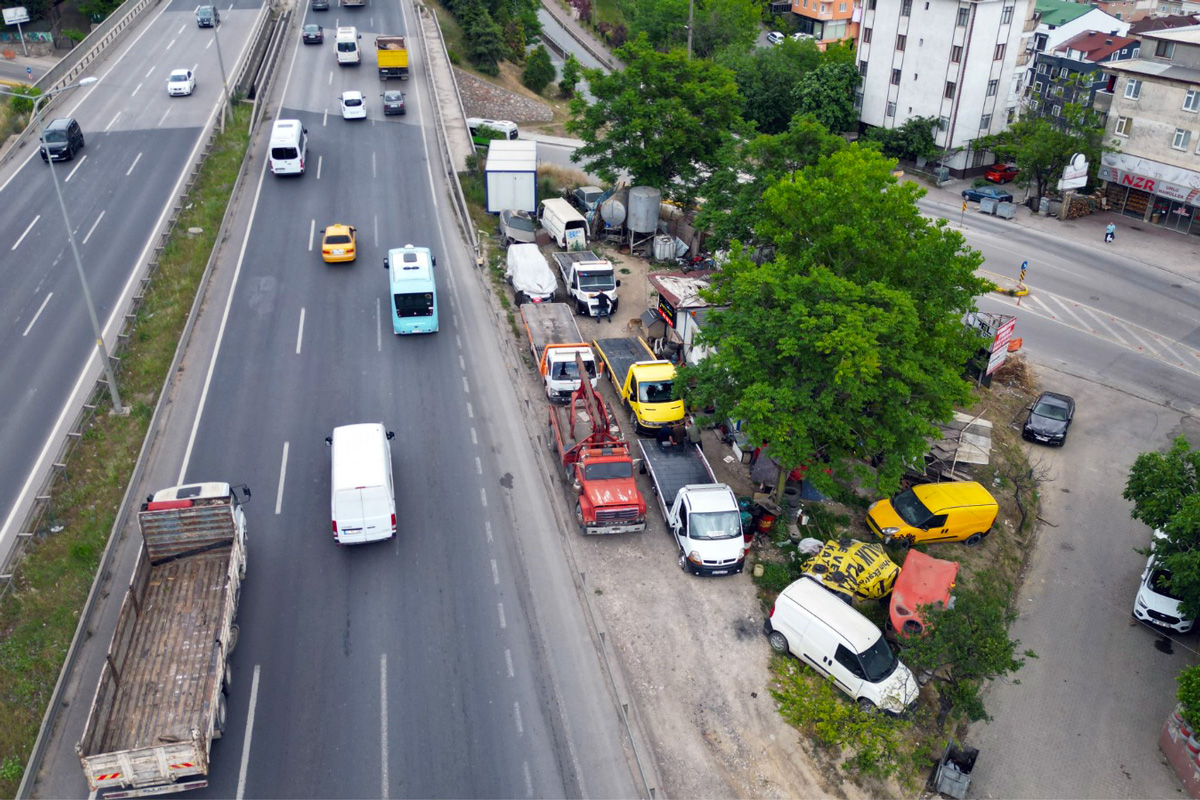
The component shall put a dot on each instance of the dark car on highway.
(978, 193)
(320, 5)
(393, 102)
(1049, 418)
(312, 34)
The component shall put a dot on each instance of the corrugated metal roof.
(1060, 12)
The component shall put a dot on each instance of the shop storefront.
(1151, 191)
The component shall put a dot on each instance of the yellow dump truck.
(392, 55)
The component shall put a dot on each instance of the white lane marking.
(26, 233)
(458, 341)
(92, 229)
(483, 496)
(164, 117)
(508, 662)
(487, 528)
(470, 411)
(210, 43)
(135, 91)
(172, 44)
(500, 608)
(474, 437)
(112, 122)
(375, 224)
(150, 72)
(325, 118)
(1067, 309)
(320, 161)
(478, 466)
(182, 28)
(374, 172)
(300, 332)
(462, 362)
(41, 308)
(528, 779)
(495, 573)
(378, 327)
(383, 729)
(517, 718)
(136, 159)
(312, 231)
(1099, 321)
(74, 169)
(241, 787)
(282, 478)
(466, 386)
(331, 77)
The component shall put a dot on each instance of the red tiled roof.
(1095, 45)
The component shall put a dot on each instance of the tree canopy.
(1165, 491)
(718, 24)
(911, 141)
(766, 77)
(539, 72)
(850, 343)
(827, 93)
(663, 119)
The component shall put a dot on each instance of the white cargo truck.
(586, 276)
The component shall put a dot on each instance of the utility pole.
(691, 15)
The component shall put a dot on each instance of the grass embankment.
(39, 616)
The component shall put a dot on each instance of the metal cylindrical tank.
(613, 210)
(664, 247)
(644, 202)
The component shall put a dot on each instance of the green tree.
(850, 343)
(766, 78)
(485, 41)
(539, 72)
(733, 193)
(828, 94)
(1189, 695)
(1165, 493)
(663, 119)
(571, 74)
(911, 141)
(724, 25)
(966, 645)
(23, 104)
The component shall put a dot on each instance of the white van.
(289, 147)
(829, 635)
(347, 46)
(363, 498)
(565, 225)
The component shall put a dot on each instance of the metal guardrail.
(36, 521)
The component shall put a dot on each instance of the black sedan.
(312, 34)
(320, 5)
(393, 102)
(978, 193)
(1049, 419)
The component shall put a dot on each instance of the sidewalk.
(13, 71)
(1136, 240)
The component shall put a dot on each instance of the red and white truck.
(597, 463)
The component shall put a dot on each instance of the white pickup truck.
(586, 276)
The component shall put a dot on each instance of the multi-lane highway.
(117, 192)
(455, 660)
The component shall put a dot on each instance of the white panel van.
(348, 51)
(829, 635)
(565, 225)
(363, 497)
(289, 147)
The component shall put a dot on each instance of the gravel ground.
(483, 99)
(692, 649)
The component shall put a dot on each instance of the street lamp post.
(118, 408)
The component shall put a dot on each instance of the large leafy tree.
(539, 72)
(766, 77)
(663, 119)
(718, 24)
(966, 645)
(733, 193)
(850, 343)
(1165, 491)
(828, 94)
(911, 141)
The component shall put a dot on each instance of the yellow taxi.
(339, 243)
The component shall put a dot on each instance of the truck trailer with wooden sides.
(160, 702)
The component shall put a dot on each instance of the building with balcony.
(827, 21)
(1154, 121)
(943, 59)
(1057, 21)
(1074, 72)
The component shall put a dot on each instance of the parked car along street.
(1001, 173)
(978, 193)
(775, 37)
(1049, 418)
(1155, 604)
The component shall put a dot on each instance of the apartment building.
(949, 60)
(1074, 71)
(827, 21)
(1154, 120)
(1056, 22)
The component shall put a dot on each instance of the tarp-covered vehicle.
(852, 568)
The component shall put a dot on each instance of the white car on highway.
(353, 105)
(181, 82)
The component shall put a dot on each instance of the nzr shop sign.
(1158, 179)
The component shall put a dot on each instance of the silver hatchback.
(516, 226)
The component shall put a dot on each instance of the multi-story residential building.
(944, 59)
(1073, 72)
(1160, 23)
(827, 21)
(1058, 21)
(1128, 10)
(1154, 120)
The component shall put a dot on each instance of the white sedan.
(181, 82)
(353, 105)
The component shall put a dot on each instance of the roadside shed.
(684, 311)
(510, 175)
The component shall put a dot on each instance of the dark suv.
(62, 139)
(208, 17)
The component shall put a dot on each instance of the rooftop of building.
(1162, 23)
(1188, 35)
(1060, 12)
(1095, 45)
(1156, 69)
